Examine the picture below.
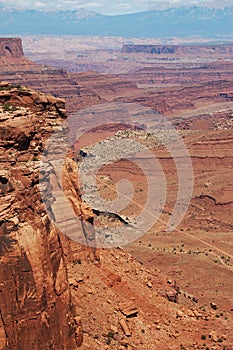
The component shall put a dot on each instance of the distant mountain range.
(182, 22)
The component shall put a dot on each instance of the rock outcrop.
(36, 309)
(17, 69)
(11, 47)
(12, 56)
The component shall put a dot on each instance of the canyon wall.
(36, 309)
(17, 69)
(48, 281)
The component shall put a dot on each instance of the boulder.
(128, 309)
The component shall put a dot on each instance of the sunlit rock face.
(35, 301)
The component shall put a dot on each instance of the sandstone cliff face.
(36, 309)
(11, 47)
(12, 56)
(17, 69)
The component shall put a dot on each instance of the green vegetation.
(7, 107)
(10, 87)
(6, 88)
(110, 337)
(77, 262)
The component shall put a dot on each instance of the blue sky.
(108, 6)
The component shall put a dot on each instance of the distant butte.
(17, 69)
(11, 47)
(78, 90)
(12, 57)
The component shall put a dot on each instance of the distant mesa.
(179, 49)
(11, 47)
(154, 49)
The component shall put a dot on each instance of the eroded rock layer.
(47, 281)
(11, 47)
(17, 69)
(35, 301)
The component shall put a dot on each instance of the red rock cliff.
(36, 310)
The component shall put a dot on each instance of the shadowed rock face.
(11, 47)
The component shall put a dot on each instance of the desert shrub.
(10, 87)
(77, 262)
(9, 108)
(6, 107)
(110, 337)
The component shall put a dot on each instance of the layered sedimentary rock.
(17, 69)
(35, 302)
(180, 50)
(105, 86)
(11, 47)
(180, 74)
(79, 90)
(39, 266)
(180, 101)
(12, 56)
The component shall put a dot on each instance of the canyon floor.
(178, 283)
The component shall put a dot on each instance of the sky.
(108, 7)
